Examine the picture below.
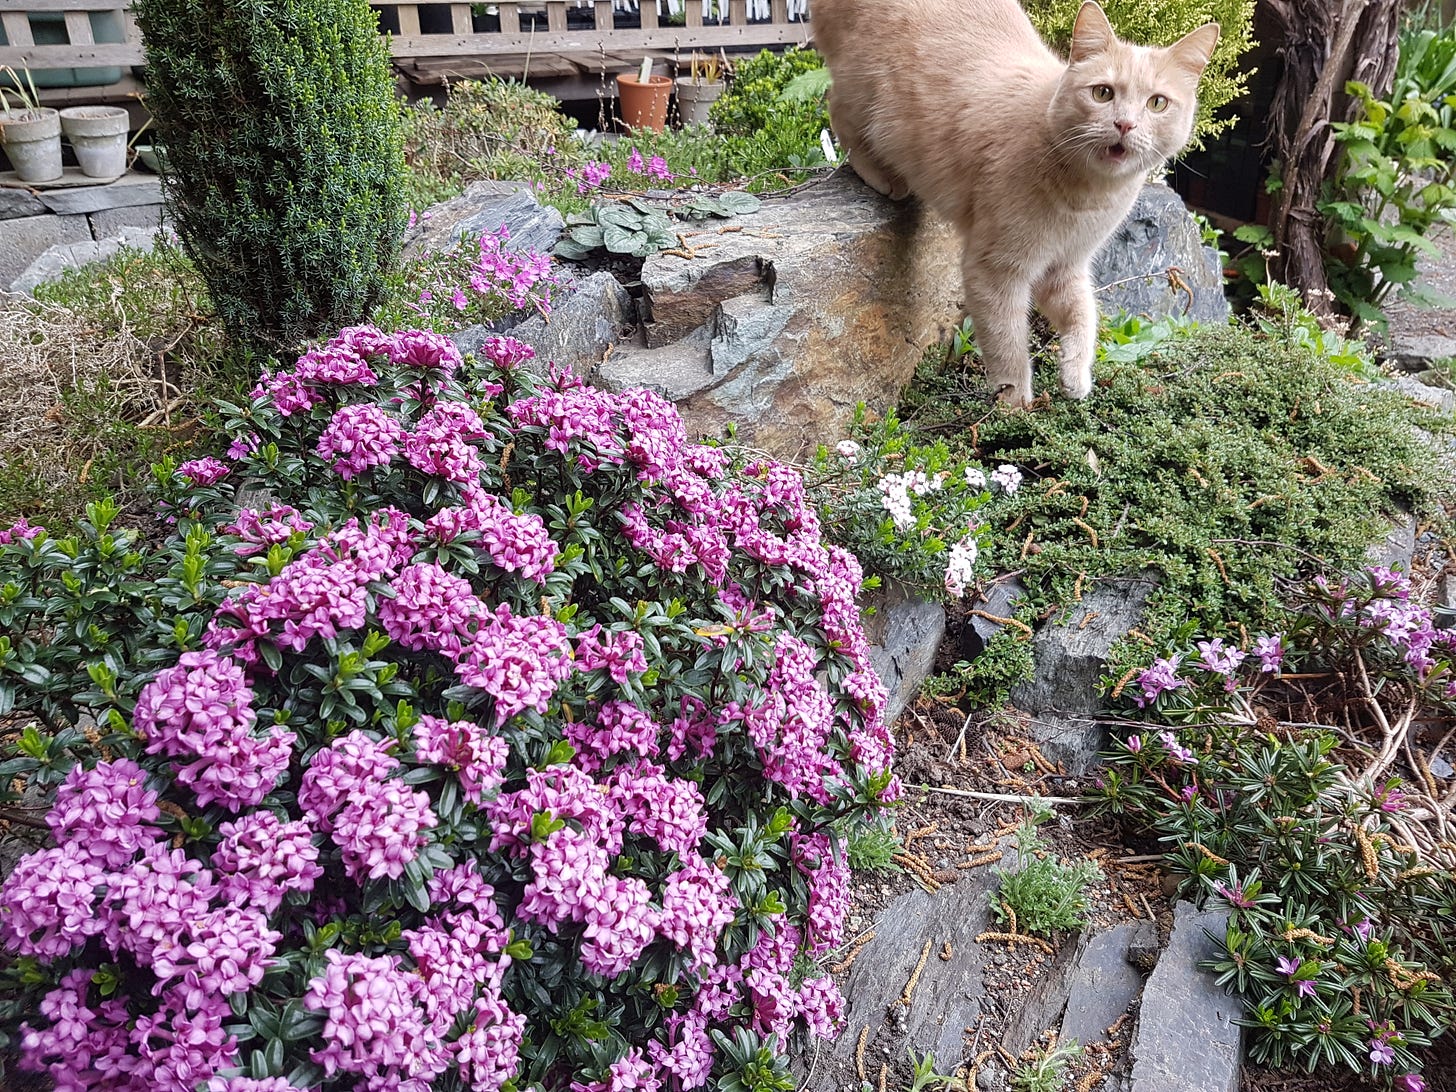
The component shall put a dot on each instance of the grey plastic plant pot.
(98, 136)
(695, 99)
(32, 140)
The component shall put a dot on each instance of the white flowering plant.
(469, 729)
(907, 509)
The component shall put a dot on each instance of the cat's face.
(1122, 109)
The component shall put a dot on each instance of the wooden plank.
(693, 13)
(126, 90)
(649, 14)
(510, 18)
(555, 16)
(602, 14)
(78, 28)
(17, 28)
(64, 5)
(460, 19)
(779, 11)
(588, 41)
(409, 20)
(65, 56)
(738, 12)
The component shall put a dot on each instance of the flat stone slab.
(580, 330)
(905, 634)
(1186, 1039)
(128, 190)
(1103, 984)
(15, 203)
(25, 238)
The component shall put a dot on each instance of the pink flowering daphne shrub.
(1271, 772)
(474, 730)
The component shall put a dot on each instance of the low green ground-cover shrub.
(507, 708)
(1224, 458)
(1270, 774)
(1042, 895)
(769, 127)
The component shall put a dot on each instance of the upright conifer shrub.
(284, 162)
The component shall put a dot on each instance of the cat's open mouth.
(1117, 153)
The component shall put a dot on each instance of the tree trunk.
(1326, 44)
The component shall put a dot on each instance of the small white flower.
(1006, 478)
(847, 449)
(960, 566)
(975, 477)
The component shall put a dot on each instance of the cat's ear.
(1091, 33)
(1192, 51)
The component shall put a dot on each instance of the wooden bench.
(560, 45)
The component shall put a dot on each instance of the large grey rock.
(58, 259)
(999, 601)
(1132, 270)
(126, 191)
(485, 207)
(1070, 659)
(788, 317)
(905, 632)
(1440, 399)
(1417, 352)
(15, 203)
(1398, 549)
(1186, 1039)
(26, 238)
(583, 325)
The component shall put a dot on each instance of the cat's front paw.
(1078, 384)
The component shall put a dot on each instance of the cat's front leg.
(997, 301)
(1064, 295)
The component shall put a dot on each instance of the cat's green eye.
(1158, 103)
(1102, 93)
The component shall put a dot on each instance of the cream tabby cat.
(1033, 160)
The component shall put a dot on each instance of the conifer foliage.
(284, 169)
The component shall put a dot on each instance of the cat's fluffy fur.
(1034, 160)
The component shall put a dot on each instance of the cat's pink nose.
(1124, 127)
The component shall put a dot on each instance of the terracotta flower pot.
(644, 105)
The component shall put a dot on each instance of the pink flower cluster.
(359, 437)
(207, 471)
(200, 714)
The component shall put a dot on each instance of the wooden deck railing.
(544, 37)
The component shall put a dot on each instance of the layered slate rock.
(1186, 1040)
(905, 632)
(1071, 655)
(786, 318)
(1156, 263)
(585, 323)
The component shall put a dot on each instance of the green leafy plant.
(1045, 895)
(923, 1074)
(284, 173)
(1393, 182)
(903, 504)
(1224, 458)
(1285, 806)
(771, 116)
(637, 227)
(872, 847)
(1048, 1070)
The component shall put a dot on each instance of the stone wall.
(33, 221)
